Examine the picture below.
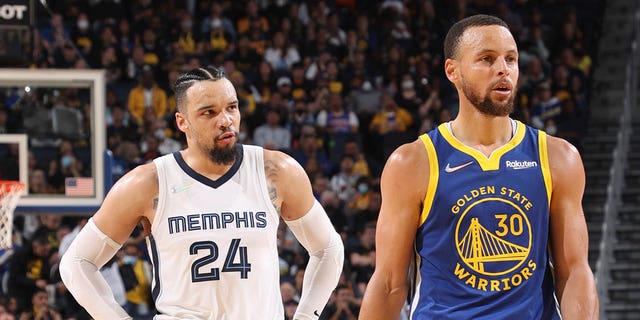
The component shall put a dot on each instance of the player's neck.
(482, 132)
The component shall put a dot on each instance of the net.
(10, 192)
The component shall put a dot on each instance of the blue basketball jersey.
(481, 247)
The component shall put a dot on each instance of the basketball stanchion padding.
(10, 192)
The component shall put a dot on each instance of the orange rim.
(8, 186)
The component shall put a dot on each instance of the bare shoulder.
(141, 180)
(564, 158)
(409, 153)
(409, 164)
(278, 162)
(288, 184)
(131, 200)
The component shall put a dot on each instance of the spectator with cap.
(284, 87)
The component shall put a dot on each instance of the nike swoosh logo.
(450, 169)
(315, 313)
(180, 189)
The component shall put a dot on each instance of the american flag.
(78, 186)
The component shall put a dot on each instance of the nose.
(225, 120)
(502, 66)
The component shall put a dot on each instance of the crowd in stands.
(338, 85)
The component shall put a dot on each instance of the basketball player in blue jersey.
(212, 213)
(483, 213)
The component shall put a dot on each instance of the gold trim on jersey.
(544, 163)
(433, 177)
(486, 163)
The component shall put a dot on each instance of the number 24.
(198, 275)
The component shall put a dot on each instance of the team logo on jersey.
(493, 239)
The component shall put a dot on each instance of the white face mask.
(83, 24)
(160, 134)
(216, 23)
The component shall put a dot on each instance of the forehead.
(210, 92)
(486, 38)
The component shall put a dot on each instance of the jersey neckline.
(486, 163)
(210, 182)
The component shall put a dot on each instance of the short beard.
(486, 105)
(224, 156)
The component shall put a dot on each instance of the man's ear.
(451, 70)
(181, 122)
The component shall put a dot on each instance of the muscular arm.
(130, 200)
(290, 192)
(403, 185)
(575, 284)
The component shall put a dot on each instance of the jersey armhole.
(160, 164)
(433, 178)
(544, 164)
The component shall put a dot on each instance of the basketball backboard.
(59, 122)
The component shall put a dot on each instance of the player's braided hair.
(187, 79)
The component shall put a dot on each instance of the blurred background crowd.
(336, 84)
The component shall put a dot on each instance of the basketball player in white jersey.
(212, 210)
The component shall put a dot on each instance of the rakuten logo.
(517, 165)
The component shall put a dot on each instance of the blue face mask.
(363, 188)
(129, 260)
(66, 161)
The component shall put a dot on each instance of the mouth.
(227, 137)
(502, 88)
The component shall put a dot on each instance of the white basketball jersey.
(214, 244)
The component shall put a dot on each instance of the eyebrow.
(483, 51)
(234, 102)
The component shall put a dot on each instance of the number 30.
(515, 224)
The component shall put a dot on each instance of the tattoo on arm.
(271, 172)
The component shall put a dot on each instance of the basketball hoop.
(10, 192)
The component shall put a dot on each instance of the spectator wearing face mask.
(136, 276)
(83, 35)
(161, 133)
(64, 166)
